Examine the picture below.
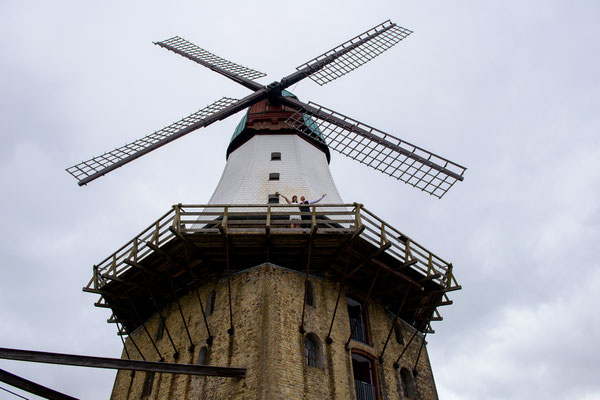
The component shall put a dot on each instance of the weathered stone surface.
(267, 309)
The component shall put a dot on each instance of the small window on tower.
(313, 352)
(276, 156)
(273, 199)
(274, 176)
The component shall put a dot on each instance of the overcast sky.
(510, 89)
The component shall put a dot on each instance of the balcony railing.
(364, 390)
(274, 219)
(360, 332)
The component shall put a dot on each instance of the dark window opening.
(310, 294)
(161, 328)
(273, 199)
(148, 382)
(313, 351)
(310, 352)
(210, 303)
(363, 369)
(408, 383)
(274, 176)
(357, 321)
(398, 332)
(275, 156)
(202, 356)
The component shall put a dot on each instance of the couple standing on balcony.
(303, 208)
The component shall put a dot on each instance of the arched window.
(398, 332)
(310, 294)
(202, 354)
(210, 303)
(365, 378)
(408, 383)
(313, 353)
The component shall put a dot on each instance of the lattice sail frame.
(87, 168)
(196, 53)
(380, 153)
(387, 35)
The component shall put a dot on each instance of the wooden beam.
(121, 280)
(141, 267)
(117, 363)
(367, 259)
(430, 277)
(394, 272)
(32, 387)
(165, 254)
(195, 249)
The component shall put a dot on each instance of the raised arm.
(286, 199)
(318, 200)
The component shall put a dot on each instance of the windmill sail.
(93, 168)
(233, 71)
(355, 52)
(379, 150)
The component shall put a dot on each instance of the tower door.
(364, 377)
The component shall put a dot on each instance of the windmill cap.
(267, 118)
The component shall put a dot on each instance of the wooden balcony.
(345, 239)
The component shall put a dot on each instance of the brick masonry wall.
(267, 309)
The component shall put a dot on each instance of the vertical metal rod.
(209, 339)
(187, 331)
(125, 348)
(396, 365)
(162, 319)
(306, 285)
(268, 232)
(363, 306)
(130, 338)
(230, 330)
(123, 341)
(420, 349)
(393, 324)
(328, 339)
(143, 324)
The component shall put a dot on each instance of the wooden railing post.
(177, 217)
(113, 265)
(96, 285)
(449, 276)
(357, 218)
(225, 217)
(382, 238)
(156, 236)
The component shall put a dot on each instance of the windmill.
(367, 145)
(282, 272)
